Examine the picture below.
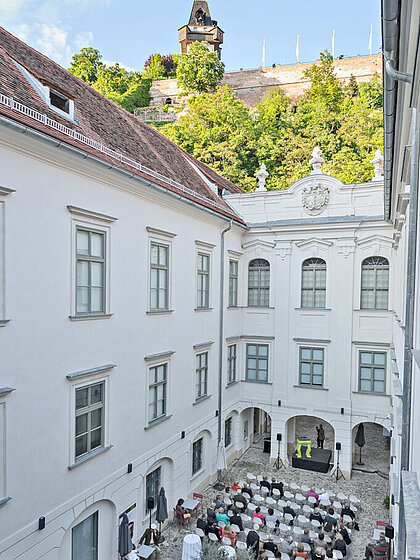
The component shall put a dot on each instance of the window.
(228, 432)
(375, 279)
(157, 392)
(311, 366)
(153, 485)
(197, 458)
(159, 276)
(233, 283)
(314, 278)
(89, 418)
(259, 283)
(90, 271)
(84, 539)
(203, 281)
(246, 430)
(201, 361)
(59, 101)
(372, 371)
(257, 362)
(231, 366)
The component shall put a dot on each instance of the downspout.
(221, 318)
(409, 324)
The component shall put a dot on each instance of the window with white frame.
(201, 374)
(231, 364)
(197, 456)
(84, 539)
(228, 432)
(374, 283)
(314, 283)
(159, 277)
(90, 271)
(311, 366)
(233, 283)
(90, 419)
(372, 371)
(259, 283)
(153, 484)
(257, 362)
(203, 281)
(157, 391)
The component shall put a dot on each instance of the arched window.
(314, 283)
(259, 283)
(375, 281)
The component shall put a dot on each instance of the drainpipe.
(409, 325)
(221, 317)
(395, 74)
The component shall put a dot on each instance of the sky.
(128, 31)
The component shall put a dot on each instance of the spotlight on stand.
(389, 533)
(150, 507)
(338, 471)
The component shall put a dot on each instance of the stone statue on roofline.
(262, 177)
(378, 165)
(317, 161)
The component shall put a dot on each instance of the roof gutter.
(59, 144)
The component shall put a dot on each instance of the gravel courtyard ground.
(370, 488)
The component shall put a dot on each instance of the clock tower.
(201, 28)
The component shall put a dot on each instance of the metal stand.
(278, 463)
(219, 484)
(338, 472)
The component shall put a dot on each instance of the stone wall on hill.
(251, 85)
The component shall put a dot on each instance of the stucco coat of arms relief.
(315, 198)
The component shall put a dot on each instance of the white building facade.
(114, 326)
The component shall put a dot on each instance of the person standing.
(320, 437)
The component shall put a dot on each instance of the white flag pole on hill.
(370, 39)
(263, 56)
(297, 49)
(333, 44)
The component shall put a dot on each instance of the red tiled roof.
(106, 124)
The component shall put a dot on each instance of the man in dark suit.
(288, 509)
(264, 482)
(278, 485)
(347, 511)
(247, 490)
(269, 545)
(237, 520)
(253, 540)
(202, 524)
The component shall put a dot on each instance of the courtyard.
(370, 486)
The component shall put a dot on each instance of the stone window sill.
(203, 309)
(312, 309)
(4, 501)
(91, 455)
(92, 317)
(201, 399)
(3, 322)
(231, 384)
(371, 393)
(160, 312)
(317, 388)
(157, 421)
(257, 382)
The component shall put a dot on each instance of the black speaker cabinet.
(150, 503)
(278, 437)
(389, 532)
(338, 446)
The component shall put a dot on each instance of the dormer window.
(59, 101)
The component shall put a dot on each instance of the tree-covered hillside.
(344, 120)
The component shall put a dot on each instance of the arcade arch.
(375, 454)
(304, 427)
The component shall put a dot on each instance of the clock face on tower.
(200, 15)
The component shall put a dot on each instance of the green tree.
(155, 69)
(86, 64)
(200, 70)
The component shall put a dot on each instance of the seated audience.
(288, 509)
(345, 534)
(347, 511)
(317, 516)
(269, 545)
(329, 553)
(235, 486)
(300, 552)
(247, 490)
(211, 513)
(219, 503)
(215, 529)
(264, 482)
(330, 518)
(381, 543)
(229, 534)
(305, 538)
(328, 529)
(320, 542)
(182, 510)
(236, 519)
(278, 486)
(257, 513)
(312, 493)
(202, 524)
(221, 516)
(271, 517)
(241, 499)
(318, 554)
(340, 545)
(287, 547)
(324, 495)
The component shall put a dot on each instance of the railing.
(154, 115)
(71, 133)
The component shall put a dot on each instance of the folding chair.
(226, 541)
(235, 528)
(241, 545)
(199, 532)
(213, 537)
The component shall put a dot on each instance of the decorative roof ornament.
(262, 177)
(317, 161)
(315, 198)
(378, 164)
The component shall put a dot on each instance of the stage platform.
(319, 461)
